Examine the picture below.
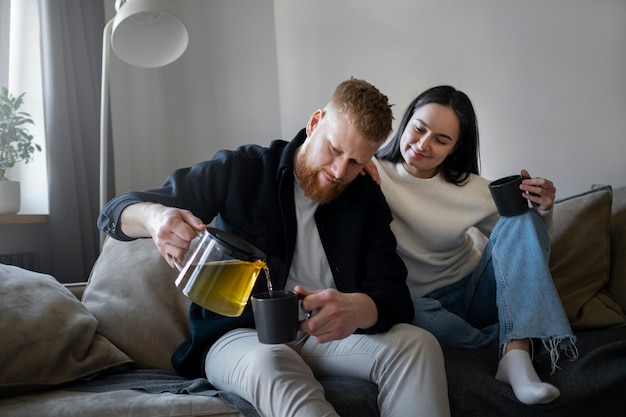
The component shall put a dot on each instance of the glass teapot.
(220, 272)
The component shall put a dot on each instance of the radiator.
(26, 260)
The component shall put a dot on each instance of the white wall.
(548, 79)
(221, 93)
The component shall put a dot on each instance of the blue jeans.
(510, 295)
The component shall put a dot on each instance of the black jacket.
(250, 193)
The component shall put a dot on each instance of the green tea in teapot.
(221, 286)
(220, 272)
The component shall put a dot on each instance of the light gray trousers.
(279, 380)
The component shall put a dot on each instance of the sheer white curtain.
(5, 10)
(21, 73)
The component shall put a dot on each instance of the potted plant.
(16, 145)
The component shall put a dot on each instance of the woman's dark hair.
(465, 157)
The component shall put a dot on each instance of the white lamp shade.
(147, 33)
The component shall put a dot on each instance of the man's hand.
(336, 314)
(171, 229)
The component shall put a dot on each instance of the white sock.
(516, 369)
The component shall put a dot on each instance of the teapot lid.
(239, 248)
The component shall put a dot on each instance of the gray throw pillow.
(131, 292)
(47, 336)
(580, 259)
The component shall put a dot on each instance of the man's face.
(333, 154)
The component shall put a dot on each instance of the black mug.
(276, 316)
(508, 196)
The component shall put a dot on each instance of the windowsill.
(23, 218)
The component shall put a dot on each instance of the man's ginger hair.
(367, 109)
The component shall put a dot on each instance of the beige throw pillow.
(580, 259)
(131, 292)
(47, 337)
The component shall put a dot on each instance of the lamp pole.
(143, 33)
(104, 119)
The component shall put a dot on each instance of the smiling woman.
(433, 137)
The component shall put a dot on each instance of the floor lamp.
(145, 34)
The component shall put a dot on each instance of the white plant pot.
(9, 197)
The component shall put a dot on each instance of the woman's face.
(429, 137)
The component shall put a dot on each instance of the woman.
(468, 299)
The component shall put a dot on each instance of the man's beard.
(308, 177)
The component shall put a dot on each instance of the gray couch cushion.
(580, 259)
(131, 292)
(592, 385)
(47, 336)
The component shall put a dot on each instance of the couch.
(102, 348)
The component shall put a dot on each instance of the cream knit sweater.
(431, 221)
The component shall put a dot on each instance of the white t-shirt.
(309, 267)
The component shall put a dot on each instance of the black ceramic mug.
(276, 316)
(508, 196)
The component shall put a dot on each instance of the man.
(325, 232)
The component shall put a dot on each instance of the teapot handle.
(176, 261)
(177, 264)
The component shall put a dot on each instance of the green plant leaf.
(15, 139)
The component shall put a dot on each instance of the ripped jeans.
(510, 295)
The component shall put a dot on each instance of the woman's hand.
(540, 191)
(370, 168)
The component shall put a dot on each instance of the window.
(20, 71)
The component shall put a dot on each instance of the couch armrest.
(76, 288)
